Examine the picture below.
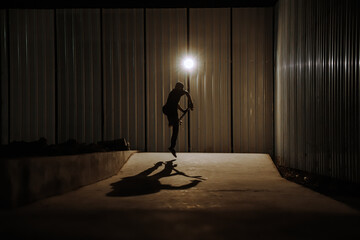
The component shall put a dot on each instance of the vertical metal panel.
(252, 80)
(4, 78)
(123, 61)
(165, 45)
(357, 87)
(291, 84)
(269, 144)
(278, 73)
(317, 87)
(252, 83)
(210, 85)
(79, 74)
(300, 87)
(32, 75)
(240, 80)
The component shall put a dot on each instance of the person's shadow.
(142, 183)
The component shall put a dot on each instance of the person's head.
(179, 85)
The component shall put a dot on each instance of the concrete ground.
(198, 196)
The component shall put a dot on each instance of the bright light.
(189, 63)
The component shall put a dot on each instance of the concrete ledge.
(24, 180)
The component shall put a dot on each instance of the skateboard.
(184, 113)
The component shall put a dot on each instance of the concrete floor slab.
(198, 196)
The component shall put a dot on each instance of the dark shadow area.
(142, 183)
(71, 147)
(136, 4)
(345, 192)
(176, 223)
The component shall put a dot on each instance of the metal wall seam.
(102, 74)
(145, 78)
(231, 83)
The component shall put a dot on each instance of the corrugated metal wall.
(4, 78)
(32, 89)
(79, 75)
(210, 84)
(165, 45)
(124, 85)
(317, 87)
(108, 73)
(253, 80)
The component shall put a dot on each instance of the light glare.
(188, 63)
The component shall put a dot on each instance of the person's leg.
(174, 122)
(175, 134)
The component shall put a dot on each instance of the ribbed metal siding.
(4, 79)
(317, 87)
(210, 84)
(123, 61)
(79, 75)
(109, 78)
(253, 80)
(165, 45)
(32, 85)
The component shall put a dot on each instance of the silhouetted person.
(170, 110)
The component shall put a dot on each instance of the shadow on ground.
(142, 183)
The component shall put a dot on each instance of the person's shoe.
(172, 150)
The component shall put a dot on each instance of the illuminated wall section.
(253, 80)
(210, 127)
(165, 46)
(317, 100)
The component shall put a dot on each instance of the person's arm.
(191, 105)
(180, 108)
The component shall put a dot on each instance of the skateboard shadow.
(142, 183)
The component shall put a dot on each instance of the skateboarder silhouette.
(170, 110)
